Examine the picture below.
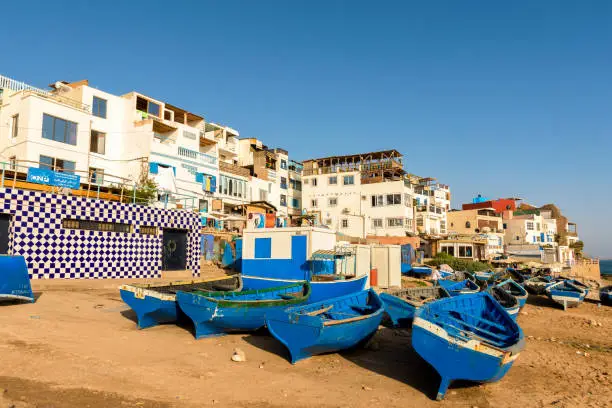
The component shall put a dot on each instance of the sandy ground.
(78, 346)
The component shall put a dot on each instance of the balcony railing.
(197, 156)
(73, 103)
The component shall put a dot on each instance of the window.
(345, 223)
(283, 183)
(332, 180)
(468, 224)
(349, 180)
(313, 203)
(60, 130)
(420, 222)
(332, 202)
(13, 163)
(96, 225)
(97, 142)
(203, 205)
(449, 250)
(314, 182)
(283, 200)
(148, 230)
(408, 223)
(269, 187)
(147, 106)
(395, 222)
(55, 164)
(538, 226)
(15, 126)
(394, 199)
(283, 164)
(377, 223)
(530, 226)
(378, 201)
(96, 176)
(189, 135)
(295, 202)
(98, 108)
(328, 221)
(505, 226)
(465, 251)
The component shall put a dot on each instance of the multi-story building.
(523, 227)
(499, 205)
(274, 177)
(110, 140)
(482, 224)
(432, 204)
(360, 195)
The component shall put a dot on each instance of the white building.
(360, 195)
(432, 204)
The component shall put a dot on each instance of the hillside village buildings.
(116, 141)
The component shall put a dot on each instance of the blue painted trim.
(263, 248)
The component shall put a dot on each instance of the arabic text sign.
(54, 178)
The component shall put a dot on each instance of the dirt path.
(78, 346)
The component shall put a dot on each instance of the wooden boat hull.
(319, 290)
(400, 305)
(14, 279)
(605, 295)
(214, 315)
(566, 294)
(463, 287)
(306, 335)
(156, 304)
(457, 356)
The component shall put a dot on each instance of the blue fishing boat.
(537, 285)
(514, 289)
(156, 303)
(517, 276)
(215, 313)
(14, 279)
(468, 337)
(565, 293)
(421, 270)
(463, 287)
(508, 302)
(322, 287)
(605, 295)
(327, 326)
(579, 284)
(400, 304)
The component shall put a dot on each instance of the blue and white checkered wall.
(51, 251)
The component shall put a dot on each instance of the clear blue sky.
(502, 98)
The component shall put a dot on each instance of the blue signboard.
(54, 178)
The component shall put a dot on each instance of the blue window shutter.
(174, 170)
(263, 247)
(213, 184)
(199, 177)
(153, 168)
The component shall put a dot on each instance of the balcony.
(73, 103)
(196, 156)
(233, 169)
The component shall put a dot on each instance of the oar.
(320, 311)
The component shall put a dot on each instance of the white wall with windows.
(355, 209)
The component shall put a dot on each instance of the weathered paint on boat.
(469, 337)
(319, 290)
(14, 279)
(514, 289)
(459, 288)
(566, 293)
(605, 295)
(401, 304)
(156, 304)
(328, 326)
(215, 313)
